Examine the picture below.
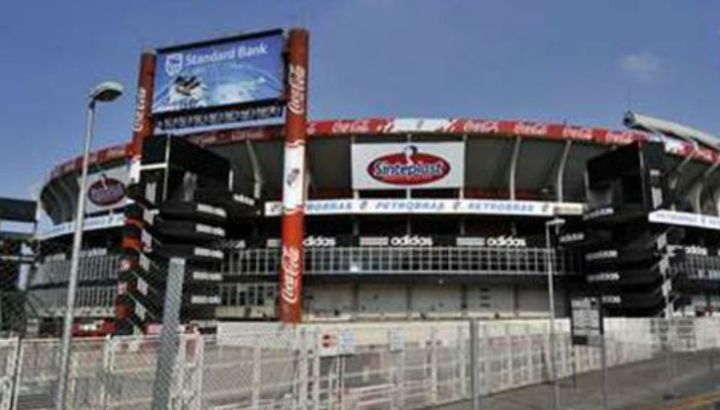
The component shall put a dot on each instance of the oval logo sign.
(106, 191)
(409, 167)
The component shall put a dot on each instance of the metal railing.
(699, 267)
(91, 301)
(410, 260)
(93, 268)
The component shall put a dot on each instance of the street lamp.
(104, 92)
(555, 223)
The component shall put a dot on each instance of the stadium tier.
(405, 218)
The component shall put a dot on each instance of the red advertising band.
(143, 124)
(293, 219)
(142, 128)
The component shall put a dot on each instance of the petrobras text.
(422, 206)
(684, 219)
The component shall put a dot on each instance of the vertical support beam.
(513, 167)
(258, 180)
(355, 289)
(409, 301)
(295, 169)
(695, 197)
(560, 181)
(464, 302)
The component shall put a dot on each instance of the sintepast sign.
(410, 165)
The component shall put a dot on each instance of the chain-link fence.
(382, 365)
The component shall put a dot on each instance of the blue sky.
(578, 61)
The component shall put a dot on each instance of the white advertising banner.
(90, 224)
(408, 165)
(431, 206)
(684, 219)
(106, 190)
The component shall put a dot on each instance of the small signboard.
(586, 321)
(335, 343)
(397, 340)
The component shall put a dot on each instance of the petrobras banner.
(90, 224)
(106, 190)
(430, 206)
(409, 165)
(685, 219)
(226, 72)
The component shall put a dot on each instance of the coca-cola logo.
(290, 263)
(138, 120)
(106, 191)
(409, 167)
(297, 81)
(349, 127)
(481, 127)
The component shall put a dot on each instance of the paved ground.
(640, 386)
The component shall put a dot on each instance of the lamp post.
(556, 223)
(104, 92)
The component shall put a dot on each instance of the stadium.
(422, 219)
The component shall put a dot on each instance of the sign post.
(586, 324)
(293, 209)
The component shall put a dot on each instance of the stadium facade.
(420, 218)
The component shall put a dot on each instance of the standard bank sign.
(224, 73)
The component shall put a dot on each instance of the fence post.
(302, 367)
(8, 390)
(433, 366)
(256, 376)
(199, 354)
(169, 337)
(401, 372)
(474, 365)
(107, 345)
(462, 361)
(529, 355)
(316, 370)
(17, 377)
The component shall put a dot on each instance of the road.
(638, 386)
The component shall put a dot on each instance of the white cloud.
(643, 66)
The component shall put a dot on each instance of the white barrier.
(394, 365)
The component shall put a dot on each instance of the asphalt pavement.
(661, 383)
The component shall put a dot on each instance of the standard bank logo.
(173, 64)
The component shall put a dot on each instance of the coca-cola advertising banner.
(106, 190)
(409, 165)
